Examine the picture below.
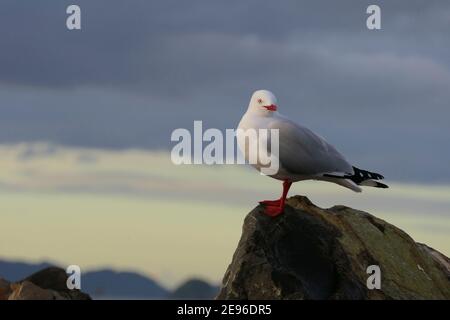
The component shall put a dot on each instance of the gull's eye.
(260, 100)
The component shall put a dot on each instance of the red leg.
(276, 207)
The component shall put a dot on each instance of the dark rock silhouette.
(103, 284)
(47, 284)
(314, 253)
(5, 289)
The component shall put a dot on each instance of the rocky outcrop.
(314, 253)
(47, 284)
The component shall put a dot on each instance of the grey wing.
(303, 152)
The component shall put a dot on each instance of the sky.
(134, 210)
(86, 118)
(139, 69)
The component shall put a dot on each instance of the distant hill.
(195, 289)
(109, 284)
(15, 271)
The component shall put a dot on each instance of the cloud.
(139, 69)
(154, 46)
(126, 203)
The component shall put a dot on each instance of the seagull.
(303, 155)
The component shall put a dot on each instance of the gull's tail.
(361, 178)
(366, 178)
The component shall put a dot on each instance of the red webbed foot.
(274, 208)
(270, 202)
(273, 211)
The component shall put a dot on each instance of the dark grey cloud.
(138, 69)
(156, 45)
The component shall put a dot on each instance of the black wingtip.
(382, 185)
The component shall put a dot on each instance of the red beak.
(272, 107)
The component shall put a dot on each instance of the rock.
(437, 256)
(195, 289)
(47, 284)
(5, 289)
(28, 291)
(49, 278)
(314, 253)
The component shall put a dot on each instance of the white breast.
(245, 140)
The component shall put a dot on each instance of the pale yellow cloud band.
(135, 210)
